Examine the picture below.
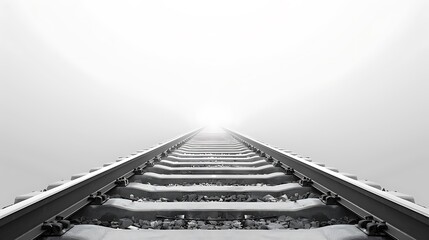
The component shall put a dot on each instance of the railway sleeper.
(219, 155)
(165, 179)
(161, 169)
(331, 232)
(256, 163)
(212, 159)
(311, 208)
(139, 190)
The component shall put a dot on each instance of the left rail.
(24, 220)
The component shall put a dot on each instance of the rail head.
(23, 220)
(405, 220)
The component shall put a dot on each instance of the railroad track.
(220, 181)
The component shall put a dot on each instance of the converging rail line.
(214, 185)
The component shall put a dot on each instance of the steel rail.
(405, 220)
(24, 219)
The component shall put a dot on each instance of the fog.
(84, 82)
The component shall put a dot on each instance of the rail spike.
(277, 163)
(330, 198)
(56, 227)
(122, 182)
(372, 227)
(305, 182)
(289, 171)
(98, 198)
(138, 171)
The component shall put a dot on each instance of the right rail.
(405, 220)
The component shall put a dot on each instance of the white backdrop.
(82, 82)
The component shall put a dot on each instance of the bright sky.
(214, 55)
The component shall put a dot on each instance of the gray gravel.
(280, 222)
(228, 198)
(209, 184)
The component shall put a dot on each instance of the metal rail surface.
(215, 184)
